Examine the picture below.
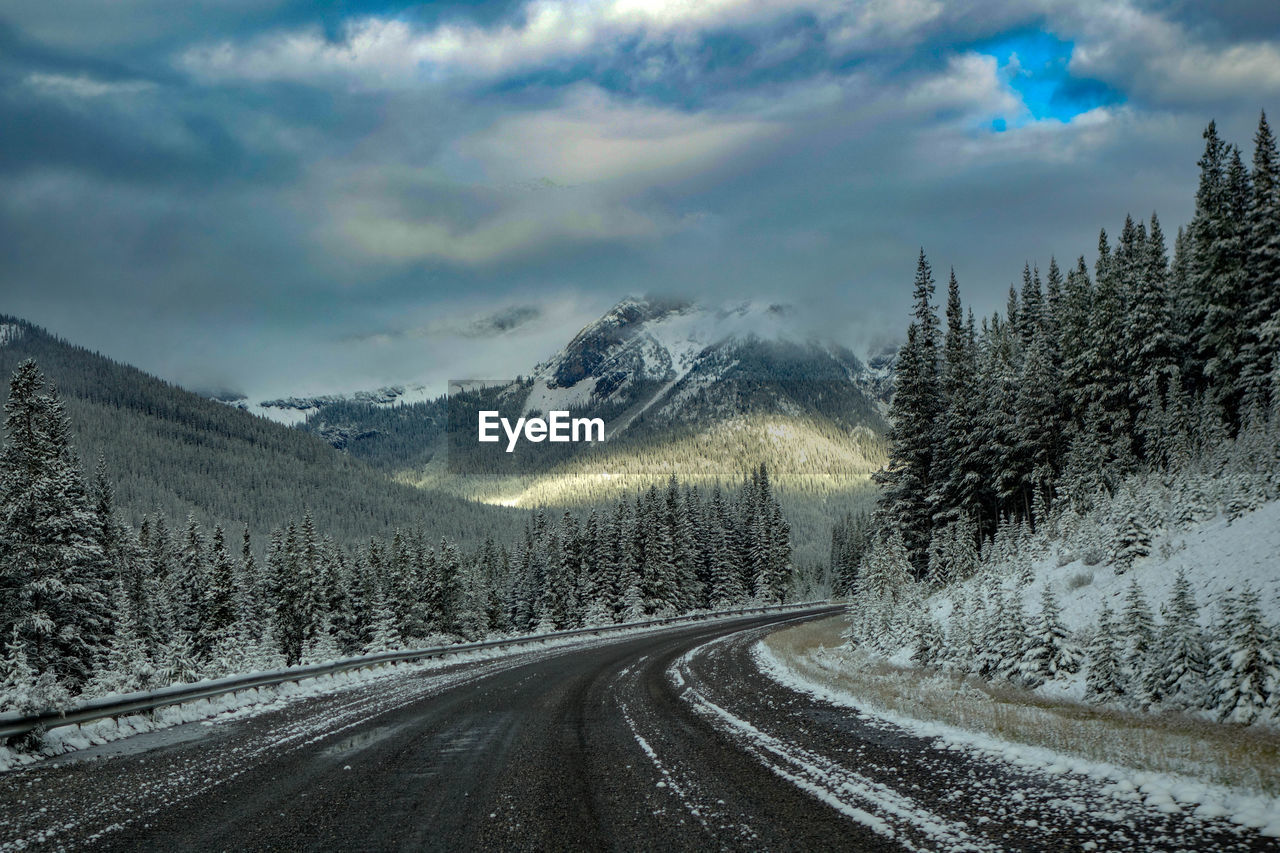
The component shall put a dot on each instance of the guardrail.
(15, 725)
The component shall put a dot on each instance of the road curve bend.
(668, 740)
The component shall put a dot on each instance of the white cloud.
(1151, 57)
(81, 86)
(591, 137)
(379, 51)
(970, 83)
(519, 230)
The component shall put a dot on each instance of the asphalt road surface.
(670, 740)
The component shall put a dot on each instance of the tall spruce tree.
(916, 407)
(53, 583)
(1261, 345)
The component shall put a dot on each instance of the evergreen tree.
(1261, 345)
(1133, 541)
(1049, 652)
(1104, 681)
(219, 611)
(1177, 675)
(726, 582)
(1216, 270)
(914, 412)
(1137, 636)
(52, 584)
(1246, 666)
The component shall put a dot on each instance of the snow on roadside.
(1162, 791)
(261, 700)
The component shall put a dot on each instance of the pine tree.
(1261, 346)
(384, 637)
(1049, 652)
(1219, 242)
(126, 666)
(1137, 636)
(23, 688)
(726, 582)
(1177, 674)
(1246, 667)
(914, 412)
(1133, 542)
(1107, 383)
(191, 588)
(1104, 681)
(1153, 349)
(290, 590)
(220, 598)
(52, 571)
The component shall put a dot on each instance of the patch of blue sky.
(1035, 64)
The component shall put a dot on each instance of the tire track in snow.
(872, 804)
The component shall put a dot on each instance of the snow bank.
(1163, 791)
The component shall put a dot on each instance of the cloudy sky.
(264, 196)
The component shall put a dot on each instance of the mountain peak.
(660, 360)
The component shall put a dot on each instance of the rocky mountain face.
(648, 365)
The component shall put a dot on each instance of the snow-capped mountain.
(649, 363)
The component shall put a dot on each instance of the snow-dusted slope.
(1218, 556)
(674, 361)
(292, 411)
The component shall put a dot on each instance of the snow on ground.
(878, 807)
(1163, 791)
(1218, 556)
(259, 700)
(9, 333)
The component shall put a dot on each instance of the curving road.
(663, 741)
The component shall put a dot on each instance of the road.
(662, 741)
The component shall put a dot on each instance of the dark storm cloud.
(235, 195)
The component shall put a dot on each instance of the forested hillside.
(1102, 419)
(169, 451)
(681, 388)
(1085, 379)
(91, 605)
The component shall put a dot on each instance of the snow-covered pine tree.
(1010, 636)
(24, 689)
(192, 588)
(290, 591)
(1137, 636)
(1246, 667)
(1261, 350)
(1104, 678)
(1219, 240)
(675, 516)
(472, 623)
(52, 571)
(1177, 674)
(384, 636)
(126, 666)
(1049, 652)
(1133, 542)
(446, 591)
(994, 630)
(938, 570)
(726, 581)
(633, 609)
(915, 409)
(219, 609)
(928, 643)
(591, 578)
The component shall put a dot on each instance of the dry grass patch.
(1224, 754)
